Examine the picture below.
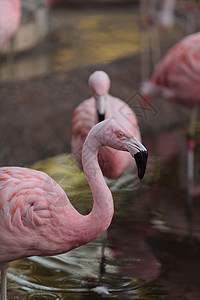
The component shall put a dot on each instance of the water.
(79, 38)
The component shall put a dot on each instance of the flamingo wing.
(29, 203)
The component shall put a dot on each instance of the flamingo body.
(32, 210)
(9, 19)
(178, 74)
(113, 163)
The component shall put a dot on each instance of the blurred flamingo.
(9, 19)
(37, 218)
(177, 77)
(102, 105)
(166, 14)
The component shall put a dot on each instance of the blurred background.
(44, 69)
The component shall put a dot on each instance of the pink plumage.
(178, 75)
(29, 201)
(9, 19)
(37, 218)
(113, 163)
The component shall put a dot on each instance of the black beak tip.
(141, 162)
(101, 117)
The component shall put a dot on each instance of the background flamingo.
(36, 217)
(177, 77)
(166, 14)
(102, 105)
(9, 19)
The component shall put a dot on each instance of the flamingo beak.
(141, 162)
(100, 104)
(139, 152)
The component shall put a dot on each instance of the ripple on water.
(72, 274)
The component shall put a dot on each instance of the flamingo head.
(112, 133)
(99, 83)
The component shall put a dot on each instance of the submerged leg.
(190, 161)
(190, 150)
(3, 268)
(103, 259)
(101, 289)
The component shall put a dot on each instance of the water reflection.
(73, 274)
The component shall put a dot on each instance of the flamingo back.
(178, 74)
(32, 207)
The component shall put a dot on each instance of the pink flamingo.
(9, 19)
(37, 218)
(90, 111)
(177, 77)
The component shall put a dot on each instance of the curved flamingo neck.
(75, 229)
(101, 215)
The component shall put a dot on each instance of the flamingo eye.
(120, 134)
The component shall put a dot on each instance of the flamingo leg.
(3, 284)
(190, 160)
(103, 259)
(100, 289)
